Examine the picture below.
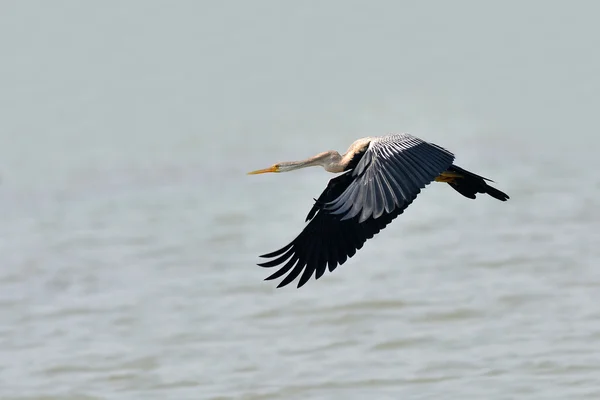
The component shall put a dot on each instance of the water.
(129, 231)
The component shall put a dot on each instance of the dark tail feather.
(495, 193)
(469, 184)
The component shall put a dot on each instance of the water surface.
(129, 231)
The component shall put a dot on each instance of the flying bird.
(381, 176)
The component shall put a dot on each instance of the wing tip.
(277, 252)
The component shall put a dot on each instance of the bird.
(379, 177)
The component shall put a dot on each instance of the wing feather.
(282, 270)
(292, 275)
(413, 162)
(278, 252)
(380, 201)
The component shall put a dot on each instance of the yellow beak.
(273, 168)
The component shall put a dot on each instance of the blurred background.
(129, 231)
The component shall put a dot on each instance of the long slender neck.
(330, 160)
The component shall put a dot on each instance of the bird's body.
(381, 176)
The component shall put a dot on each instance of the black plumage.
(470, 184)
(391, 172)
(326, 241)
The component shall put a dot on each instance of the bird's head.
(272, 168)
(285, 166)
(323, 159)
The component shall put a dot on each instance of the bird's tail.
(468, 184)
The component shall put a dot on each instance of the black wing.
(392, 171)
(383, 184)
(326, 240)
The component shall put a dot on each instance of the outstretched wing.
(391, 173)
(326, 241)
(358, 204)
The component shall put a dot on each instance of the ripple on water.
(453, 315)
(70, 396)
(407, 342)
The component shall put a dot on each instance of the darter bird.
(381, 176)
